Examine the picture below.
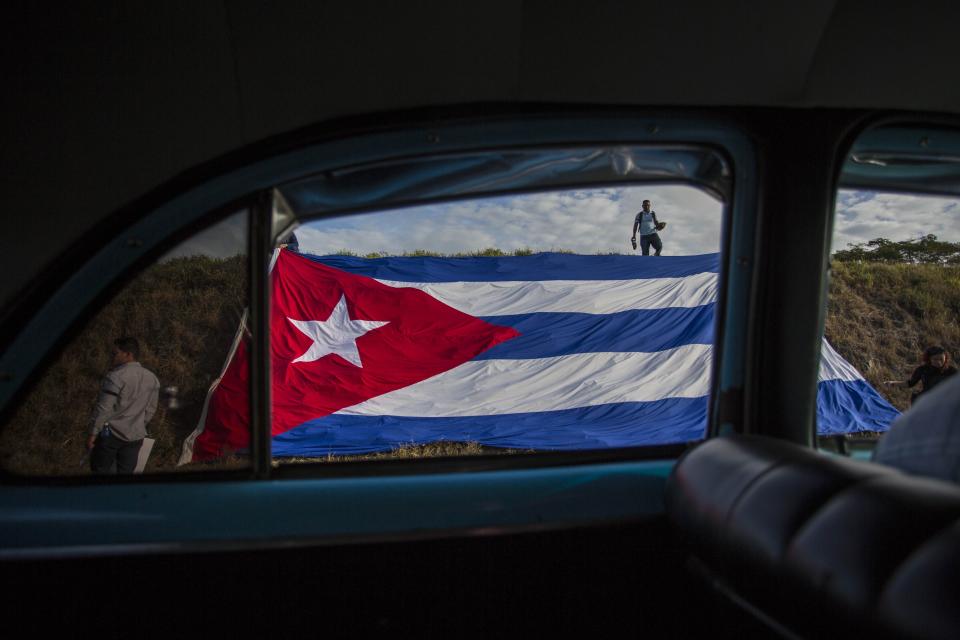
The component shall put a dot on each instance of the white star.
(337, 334)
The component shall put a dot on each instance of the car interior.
(142, 138)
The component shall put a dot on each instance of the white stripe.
(584, 296)
(489, 387)
(834, 367)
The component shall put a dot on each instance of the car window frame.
(267, 506)
(251, 184)
(903, 133)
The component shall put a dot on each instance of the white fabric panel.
(834, 367)
(584, 296)
(489, 387)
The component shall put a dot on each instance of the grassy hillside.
(881, 317)
(186, 312)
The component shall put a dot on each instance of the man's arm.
(636, 225)
(915, 378)
(657, 225)
(106, 404)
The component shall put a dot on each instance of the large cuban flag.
(551, 351)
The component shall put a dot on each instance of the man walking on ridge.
(127, 401)
(646, 221)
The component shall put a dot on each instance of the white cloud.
(583, 221)
(866, 215)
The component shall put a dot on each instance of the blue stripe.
(541, 266)
(845, 406)
(627, 424)
(543, 335)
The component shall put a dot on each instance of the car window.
(131, 385)
(894, 298)
(529, 323)
(894, 304)
(511, 324)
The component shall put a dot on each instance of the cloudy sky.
(865, 215)
(586, 221)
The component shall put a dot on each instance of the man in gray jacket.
(128, 399)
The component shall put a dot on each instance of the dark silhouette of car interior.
(130, 128)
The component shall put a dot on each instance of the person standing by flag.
(936, 367)
(126, 403)
(648, 225)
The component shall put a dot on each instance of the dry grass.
(408, 452)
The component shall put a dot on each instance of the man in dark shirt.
(936, 367)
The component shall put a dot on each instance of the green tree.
(925, 250)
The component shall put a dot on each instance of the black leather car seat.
(818, 544)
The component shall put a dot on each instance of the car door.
(484, 544)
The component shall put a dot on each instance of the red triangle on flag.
(323, 322)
